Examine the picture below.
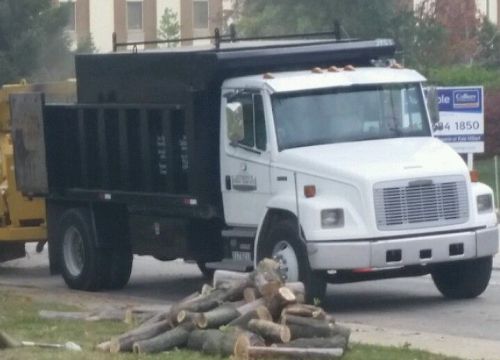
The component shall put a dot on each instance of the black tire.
(83, 265)
(207, 273)
(286, 230)
(463, 279)
(119, 263)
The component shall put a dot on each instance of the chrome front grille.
(405, 205)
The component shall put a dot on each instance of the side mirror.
(235, 128)
(433, 106)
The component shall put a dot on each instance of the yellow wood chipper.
(22, 219)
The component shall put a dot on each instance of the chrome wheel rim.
(73, 251)
(285, 255)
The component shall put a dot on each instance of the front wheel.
(463, 279)
(283, 244)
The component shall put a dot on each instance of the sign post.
(461, 111)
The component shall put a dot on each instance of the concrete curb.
(448, 345)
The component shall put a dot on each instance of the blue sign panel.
(460, 100)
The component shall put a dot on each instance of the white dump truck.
(318, 153)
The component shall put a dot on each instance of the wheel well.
(108, 232)
(273, 216)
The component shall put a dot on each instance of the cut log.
(225, 276)
(206, 289)
(198, 304)
(250, 294)
(304, 310)
(224, 343)
(108, 315)
(125, 342)
(217, 317)
(221, 344)
(267, 277)
(198, 337)
(298, 289)
(185, 316)
(8, 342)
(274, 333)
(302, 327)
(281, 298)
(258, 352)
(251, 306)
(337, 341)
(161, 316)
(104, 346)
(63, 315)
(245, 340)
(163, 342)
(259, 313)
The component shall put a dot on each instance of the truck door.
(245, 165)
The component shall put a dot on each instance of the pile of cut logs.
(247, 316)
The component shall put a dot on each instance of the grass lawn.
(19, 318)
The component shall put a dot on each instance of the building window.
(134, 15)
(200, 14)
(71, 16)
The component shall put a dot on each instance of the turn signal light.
(310, 191)
(474, 175)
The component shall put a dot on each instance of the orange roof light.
(396, 65)
(310, 191)
(349, 68)
(474, 176)
(268, 76)
(317, 70)
(333, 69)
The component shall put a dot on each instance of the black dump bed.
(146, 126)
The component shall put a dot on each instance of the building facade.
(138, 20)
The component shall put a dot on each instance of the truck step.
(231, 265)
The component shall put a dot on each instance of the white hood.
(375, 160)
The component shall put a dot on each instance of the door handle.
(228, 182)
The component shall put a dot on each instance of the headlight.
(332, 218)
(484, 203)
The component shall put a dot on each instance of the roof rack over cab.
(217, 39)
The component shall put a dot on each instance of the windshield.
(349, 114)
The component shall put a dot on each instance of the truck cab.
(337, 170)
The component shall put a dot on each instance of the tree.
(169, 26)
(488, 52)
(418, 34)
(33, 44)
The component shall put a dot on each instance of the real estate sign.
(461, 111)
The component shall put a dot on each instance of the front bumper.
(340, 255)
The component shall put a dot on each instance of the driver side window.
(253, 121)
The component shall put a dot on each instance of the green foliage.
(169, 26)
(32, 41)
(418, 32)
(489, 45)
(464, 75)
(85, 46)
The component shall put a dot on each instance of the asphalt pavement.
(392, 312)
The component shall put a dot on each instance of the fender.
(279, 206)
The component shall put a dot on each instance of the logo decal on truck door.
(244, 182)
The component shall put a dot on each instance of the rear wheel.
(207, 273)
(283, 244)
(463, 279)
(82, 263)
(119, 265)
